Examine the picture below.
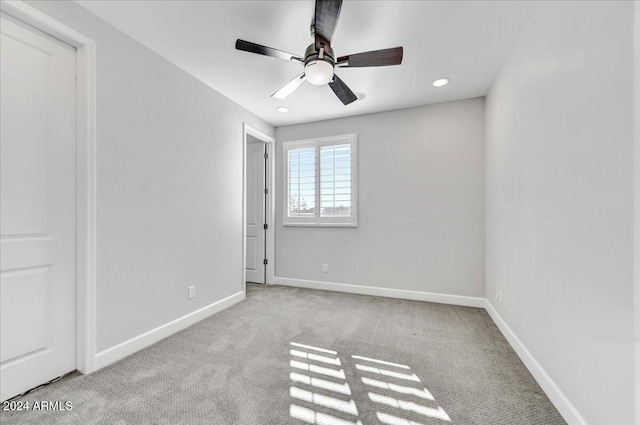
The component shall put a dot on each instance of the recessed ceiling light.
(282, 109)
(360, 96)
(440, 82)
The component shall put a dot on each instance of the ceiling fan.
(319, 60)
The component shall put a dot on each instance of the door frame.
(85, 172)
(248, 130)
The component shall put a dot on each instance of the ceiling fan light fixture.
(319, 59)
(318, 72)
(441, 82)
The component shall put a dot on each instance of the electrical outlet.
(497, 293)
(325, 268)
(500, 295)
(192, 292)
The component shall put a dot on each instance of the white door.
(255, 212)
(37, 208)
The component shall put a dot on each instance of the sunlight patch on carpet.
(327, 399)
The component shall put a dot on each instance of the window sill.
(352, 225)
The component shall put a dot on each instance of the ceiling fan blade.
(325, 21)
(382, 57)
(290, 87)
(341, 90)
(248, 46)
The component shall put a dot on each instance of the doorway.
(38, 217)
(258, 207)
(256, 212)
(13, 381)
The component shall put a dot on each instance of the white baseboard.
(557, 397)
(383, 292)
(120, 351)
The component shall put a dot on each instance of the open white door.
(38, 208)
(256, 249)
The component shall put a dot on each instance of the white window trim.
(318, 221)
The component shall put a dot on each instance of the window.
(320, 182)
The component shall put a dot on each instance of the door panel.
(37, 212)
(255, 213)
(252, 254)
(24, 290)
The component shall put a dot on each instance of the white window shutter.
(335, 180)
(320, 182)
(301, 181)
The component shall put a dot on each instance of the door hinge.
(266, 155)
(265, 262)
(266, 191)
(265, 226)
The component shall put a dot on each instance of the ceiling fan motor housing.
(318, 65)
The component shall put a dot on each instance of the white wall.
(169, 185)
(637, 209)
(421, 203)
(559, 201)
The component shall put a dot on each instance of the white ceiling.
(466, 41)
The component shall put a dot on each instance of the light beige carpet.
(288, 355)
